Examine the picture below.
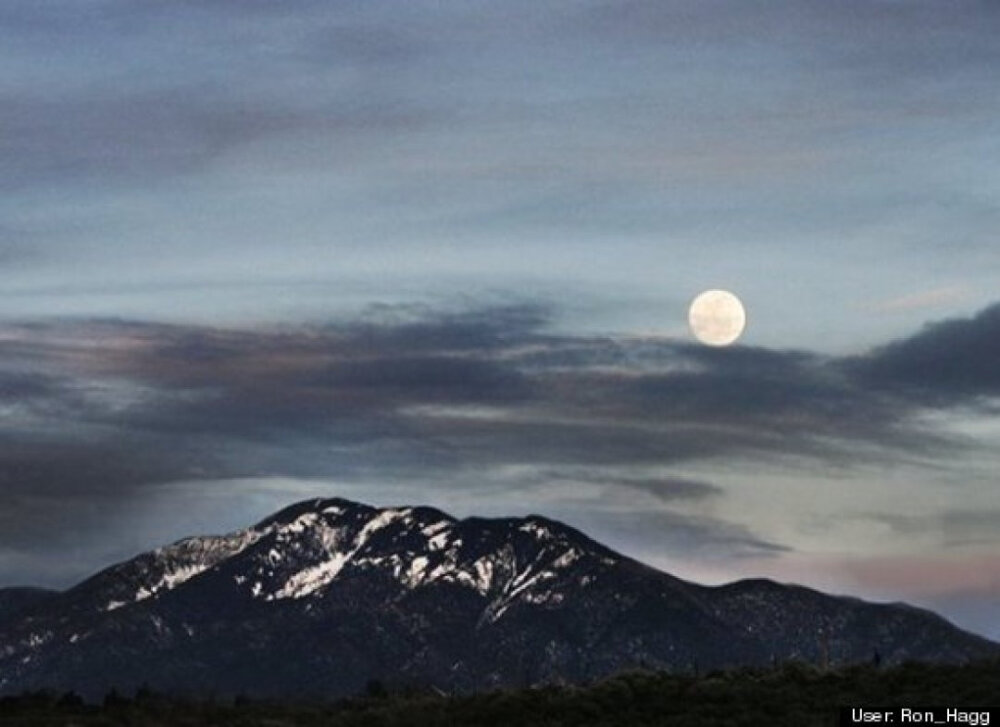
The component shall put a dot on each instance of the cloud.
(664, 489)
(954, 34)
(136, 97)
(954, 528)
(948, 362)
(675, 532)
(924, 299)
(142, 136)
(489, 386)
(18, 387)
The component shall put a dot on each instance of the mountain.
(15, 601)
(326, 595)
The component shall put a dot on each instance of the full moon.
(717, 317)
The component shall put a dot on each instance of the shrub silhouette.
(795, 693)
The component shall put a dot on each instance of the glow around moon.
(717, 317)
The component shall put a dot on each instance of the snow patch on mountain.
(416, 572)
(568, 558)
(298, 525)
(336, 557)
(171, 579)
(544, 598)
(435, 528)
(387, 517)
(484, 574)
(533, 527)
(438, 542)
(36, 640)
(310, 580)
(188, 558)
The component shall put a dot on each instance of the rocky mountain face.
(326, 595)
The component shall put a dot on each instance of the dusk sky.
(442, 252)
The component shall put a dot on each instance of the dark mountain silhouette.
(14, 601)
(326, 595)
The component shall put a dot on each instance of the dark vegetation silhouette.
(792, 693)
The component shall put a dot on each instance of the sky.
(442, 252)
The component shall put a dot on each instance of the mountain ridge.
(338, 592)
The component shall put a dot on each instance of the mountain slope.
(16, 600)
(327, 594)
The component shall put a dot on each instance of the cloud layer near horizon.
(99, 413)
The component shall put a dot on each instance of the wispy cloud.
(924, 299)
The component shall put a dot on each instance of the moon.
(717, 318)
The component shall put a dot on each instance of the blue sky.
(455, 241)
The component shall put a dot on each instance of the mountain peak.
(318, 505)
